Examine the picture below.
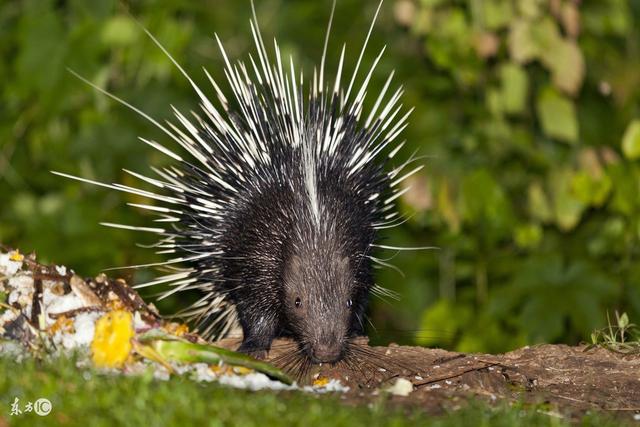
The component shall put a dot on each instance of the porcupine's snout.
(325, 328)
(326, 352)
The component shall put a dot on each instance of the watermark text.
(41, 407)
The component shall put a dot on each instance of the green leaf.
(557, 116)
(611, 17)
(514, 88)
(42, 50)
(623, 321)
(522, 46)
(431, 3)
(589, 189)
(444, 319)
(174, 348)
(631, 140)
(119, 31)
(545, 34)
(450, 44)
(484, 201)
(530, 8)
(496, 13)
(538, 203)
(528, 236)
(625, 189)
(494, 102)
(566, 63)
(567, 207)
(550, 292)
(484, 333)
(447, 207)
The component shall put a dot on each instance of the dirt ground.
(569, 381)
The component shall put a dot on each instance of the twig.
(466, 371)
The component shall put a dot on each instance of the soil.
(568, 381)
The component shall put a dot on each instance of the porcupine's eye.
(298, 302)
(349, 303)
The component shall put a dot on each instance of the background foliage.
(527, 115)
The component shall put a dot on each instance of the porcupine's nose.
(325, 353)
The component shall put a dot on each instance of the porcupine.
(275, 214)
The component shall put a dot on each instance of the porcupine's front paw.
(258, 333)
(257, 353)
(253, 350)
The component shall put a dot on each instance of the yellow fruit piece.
(63, 324)
(177, 329)
(221, 369)
(241, 370)
(115, 304)
(181, 330)
(16, 256)
(112, 339)
(320, 382)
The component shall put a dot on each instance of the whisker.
(378, 359)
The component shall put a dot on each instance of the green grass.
(86, 398)
(621, 336)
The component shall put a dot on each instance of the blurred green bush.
(527, 115)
